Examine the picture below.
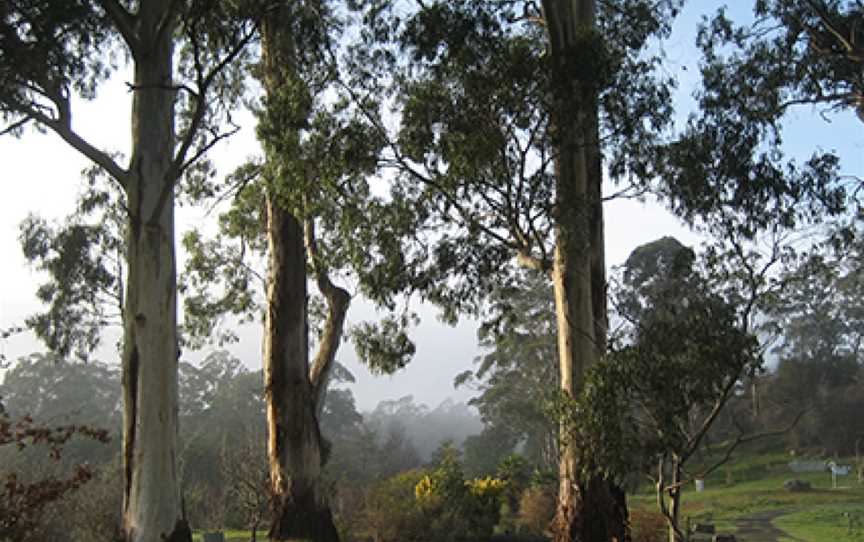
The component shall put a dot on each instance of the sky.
(41, 174)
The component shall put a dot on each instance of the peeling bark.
(295, 446)
(293, 390)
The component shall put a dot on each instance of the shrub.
(25, 499)
(94, 510)
(648, 526)
(431, 506)
(536, 509)
(459, 509)
(390, 512)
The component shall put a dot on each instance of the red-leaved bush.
(22, 501)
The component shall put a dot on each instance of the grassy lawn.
(826, 522)
(757, 487)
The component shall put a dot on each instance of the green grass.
(826, 522)
(757, 486)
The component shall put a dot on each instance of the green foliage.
(474, 87)
(819, 366)
(33, 50)
(516, 376)
(438, 504)
(793, 53)
(682, 355)
(383, 346)
(217, 266)
(484, 452)
(456, 508)
(54, 391)
(83, 257)
(726, 171)
(536, 509)
(320, 147)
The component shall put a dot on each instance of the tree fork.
(295, 446)
(299, 509)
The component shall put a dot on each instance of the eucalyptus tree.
(52, 54)
(507, 113)
(292, 387)
(515, 378)
(819, 351)
(678, 359)
(727, 172)
(306, 207)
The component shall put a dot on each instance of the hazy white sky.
(42, 175)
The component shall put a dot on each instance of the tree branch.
(852, 51)
(206, 148)
(180, 163)
(205, 81)
(693, 442)
(740, 439)
(63, 128)
(236, 189)
(125, 23)
(337, 305)
(630, 192)
(15, 125)
(527, 260)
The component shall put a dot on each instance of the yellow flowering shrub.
(486, 487)
(457, 509)
(427, 491)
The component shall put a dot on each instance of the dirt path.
(758, 528)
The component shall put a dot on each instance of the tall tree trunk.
(151, 506)
(296, 450)
(605, 501)
(294, 446)
(587, 510)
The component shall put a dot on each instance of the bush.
(648, 526)
(93, 512)
(27, 499)
(536, 509)
(390, 513)
(431, 506)
(459, 509)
